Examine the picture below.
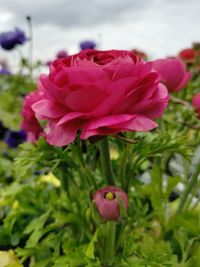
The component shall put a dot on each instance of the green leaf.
(43, 263)
(172, 181)
(123, 212)
(91, 247)
(37, 223)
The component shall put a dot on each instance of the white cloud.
(159, 27)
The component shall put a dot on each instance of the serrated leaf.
(37, 223)
(90, 249)
(122, 208)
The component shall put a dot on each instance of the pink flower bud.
(106, 200)
(196, 103)
(172, 73)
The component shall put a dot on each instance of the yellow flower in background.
(9, 259)
(50, 178)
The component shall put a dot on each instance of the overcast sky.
(159, 27)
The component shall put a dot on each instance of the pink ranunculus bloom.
(173, 73)
(196, 103)
(30, 124)
(106, 200)
(99, 93)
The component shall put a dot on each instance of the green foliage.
(46, 211)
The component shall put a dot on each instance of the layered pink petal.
(61, 135)
(117, 123)
(45, 109)
(87, 98)
(70, 116)
(138, 123)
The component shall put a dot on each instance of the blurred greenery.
(13, 88)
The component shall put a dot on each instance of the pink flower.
(196, 103)
(107, 202)
(99, 93)
(30, 124)
(173, 73)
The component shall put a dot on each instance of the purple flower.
(4, 71)
(87, 44)
(15, 138)
(107, 202)
(8, 40)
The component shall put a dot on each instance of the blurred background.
(158, 27)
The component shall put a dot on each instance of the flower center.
(110, 196)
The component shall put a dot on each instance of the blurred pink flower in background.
(191, 55)
(196, 103)
(30, 124)
(187, 55)
(107, 202)
(173, 73)
(62, 54)
(99, 93)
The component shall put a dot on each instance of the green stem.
(135, 165)
(109, 256)
(123, 166)
(64, 180)
(119, 235)
(29, 21)
(188, 189)
(180, 101)
(84, 169)
(105, 161)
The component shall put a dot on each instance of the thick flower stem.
(109, 253)
(64, 180)
(180, 101)
(188, 189)
(105, 161)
